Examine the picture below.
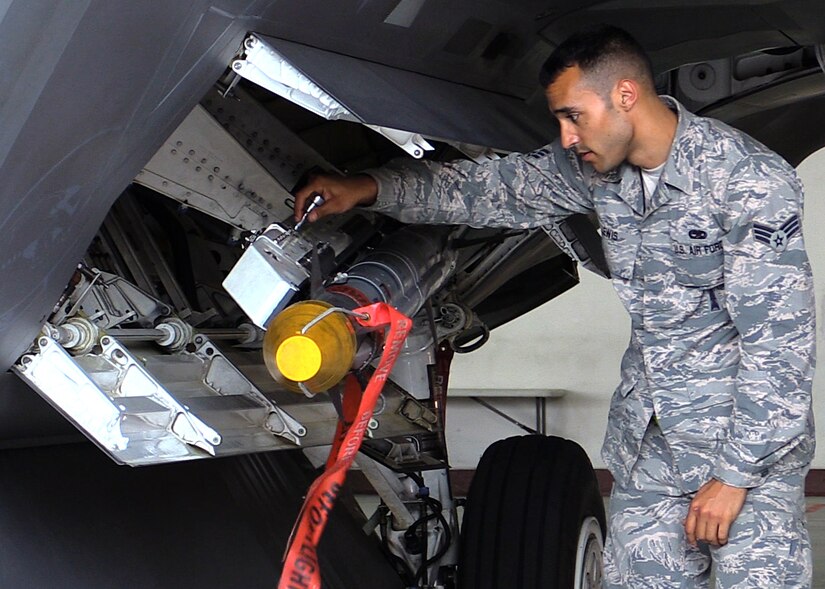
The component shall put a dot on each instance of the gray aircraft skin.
(92, 88)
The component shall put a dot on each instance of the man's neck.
(654, 130)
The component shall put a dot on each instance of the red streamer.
(301, 569)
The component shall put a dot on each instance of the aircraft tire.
(534, 516)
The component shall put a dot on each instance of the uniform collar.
(678, 171)
(679, 168)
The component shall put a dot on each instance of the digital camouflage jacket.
(712, 271)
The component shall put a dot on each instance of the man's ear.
(627, 93)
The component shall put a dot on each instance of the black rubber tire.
(524, 511)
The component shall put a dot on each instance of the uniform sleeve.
(769, 294)
(518, 191)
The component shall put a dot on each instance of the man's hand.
(712, 512)
(341, 193)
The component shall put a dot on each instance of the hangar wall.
(575, 343)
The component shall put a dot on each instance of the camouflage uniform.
(647, 547)
(713, 272)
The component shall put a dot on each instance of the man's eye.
(573, 116)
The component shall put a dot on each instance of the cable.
(472, 347)
(435, 504)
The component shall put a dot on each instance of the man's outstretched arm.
(520, 190)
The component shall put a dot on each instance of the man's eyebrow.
(564, 110)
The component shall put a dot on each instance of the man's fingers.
(701, 528)
(713, 511)
(317, 184)
(690, 526)
(724, 530)
(712, 532)
(704, 527)
(301, 198)
(340, 194)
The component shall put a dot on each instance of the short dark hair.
(602, 53)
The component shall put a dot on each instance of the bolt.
(211, 177)
(203, 160)
(197, 168)
(186, 160)
(174, 151)
(106, 341)
(191, 152)
(164, 183)
(237, 65)
(216, 169)
(178, 143)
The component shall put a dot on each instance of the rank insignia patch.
(777, 238)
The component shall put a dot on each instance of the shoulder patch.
(777, 237)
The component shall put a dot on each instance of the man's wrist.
(368, 188)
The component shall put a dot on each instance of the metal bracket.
(222, 375)
(150, 407)
(267, 68)
(418, 414)
(413, 143)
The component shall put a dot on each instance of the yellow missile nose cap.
(298, 358)
(310, 360)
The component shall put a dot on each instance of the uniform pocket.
(620, 250)
(697, 255)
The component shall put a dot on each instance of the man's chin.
(602, 167)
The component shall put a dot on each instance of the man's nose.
(568, 136)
